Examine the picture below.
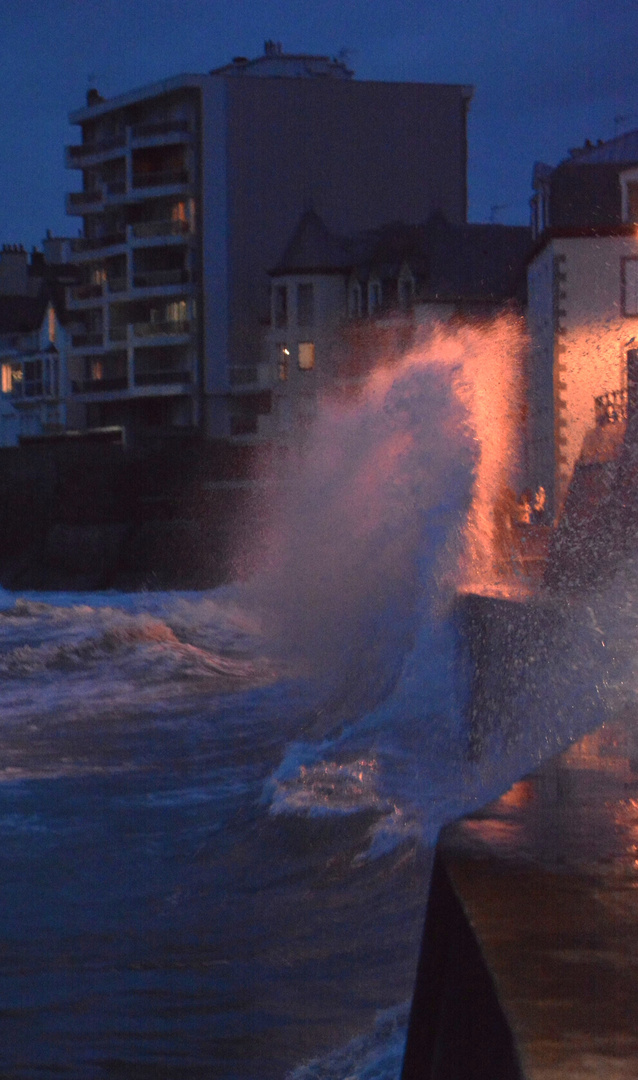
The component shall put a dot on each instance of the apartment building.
(582, 309)
(189, 187)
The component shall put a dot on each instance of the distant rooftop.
(624, 148)
(473, 262)
(276, 63)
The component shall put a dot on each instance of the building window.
(355, 301)
(280, 305)
(374, 296)
(632, 201)
(406, 291)
(306, 355)
(629, 286)
(283, 359)
(11, 378)
(305, 305)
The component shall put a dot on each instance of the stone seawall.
(81, 514)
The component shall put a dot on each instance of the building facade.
(582, 307)
(34, 336)
(340, 304)
(189, 186)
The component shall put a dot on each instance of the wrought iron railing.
(611, 408)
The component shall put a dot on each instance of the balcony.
(151, 279)
(101, 375)
(611, 408)
(77, 202)
(100, 386)
(115, 187)
(162, 378)
(118, 284)
(95, 243)
(160, 329)
(170, 178)
(86, 292)
(90, 339)
(147, 230)
(77, 155)
(158, 128)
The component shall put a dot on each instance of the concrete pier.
(529, 962)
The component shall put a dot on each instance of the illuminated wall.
(579, 335)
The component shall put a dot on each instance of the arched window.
(374, 295)
(355, 300)
(405, 289)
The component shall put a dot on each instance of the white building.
(341, 303)
(32, 370)
(582, 307)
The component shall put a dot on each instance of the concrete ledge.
(529, 961)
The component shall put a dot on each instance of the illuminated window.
(306, 355)
(51, 322)
(7, 382)
(305, 305)
(280, 305)
(283, 359)
(629, 286)
(374, 296)
(176, 312)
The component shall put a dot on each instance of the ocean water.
(217, 810)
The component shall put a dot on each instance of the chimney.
(14, 270)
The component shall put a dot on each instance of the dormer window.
(280, 305)
(305, 305)
(355, 300)
(405, 289)
(374, 296)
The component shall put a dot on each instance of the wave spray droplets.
(390, 496)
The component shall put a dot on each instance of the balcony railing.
(144, 230)
(99, 386)
(118, 284)
(158, 378)
(148, 279)
(154, 329)
(90, 338)
(94, 243)
(160, 179)
(611, 408)
(84, 150)
(159, 127)
(76, 200)
(87, 292)
(115, 187)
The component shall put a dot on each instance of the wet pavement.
(547, 878)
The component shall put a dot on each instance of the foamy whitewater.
(217, 809)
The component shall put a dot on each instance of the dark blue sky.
(548, 74)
